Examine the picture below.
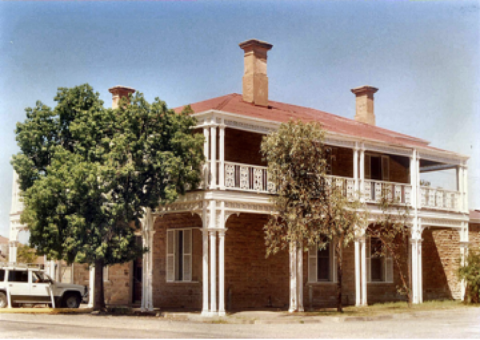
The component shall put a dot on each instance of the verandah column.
(293, 278)
(300, 279)
(91, 282)
(416, 260)
(358, 279)
(463, 254)
(205, 310)
(221, 157)
(147, 281)
(213, 257)
(221, 271)
(213, 156)
(363, 268)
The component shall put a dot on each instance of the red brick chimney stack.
(118, 92)
(364, 104)
(255, 80)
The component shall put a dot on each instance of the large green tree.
(87, 172)
(311, 211)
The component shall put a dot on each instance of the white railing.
(247, 178)
(345, 184)
(374, 191)
(440, 198)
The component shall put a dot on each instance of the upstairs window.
(321, 264)
(179, 255)
(380, 268)
(2, 275)
(377, 167)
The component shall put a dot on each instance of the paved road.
(449, 324)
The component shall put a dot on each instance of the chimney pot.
(364, 104)
(118, 92)
(255, 80)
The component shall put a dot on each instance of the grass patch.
(390, 308)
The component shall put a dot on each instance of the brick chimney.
(364, 104)
(255, 80)
(118, 92)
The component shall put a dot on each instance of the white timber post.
(213, 155)
(419, 261)
(221, 271)
(221, 157)
(91, 293)
(414, 242)
(465, 189)
(362, 173)
(58, 273)
(205, 220)
(12, 251)
(413, 179)
(213, 258)
(206, 168)
(293, 278)
(355, 169)
(463, 254)
(358, 279)
(205, 223)
(459, 202)
(418, 191)
(300, 279)
(363, 267)
(147, 233)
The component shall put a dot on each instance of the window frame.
(171, 256)
(388, 268)
(313, 256)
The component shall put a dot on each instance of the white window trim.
(174, 252)
(333, 265)
(105, 274)
(388, 261)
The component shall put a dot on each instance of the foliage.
(88, 172)
(471, 274)
(389, 228)
(26, 254)
(310, 210)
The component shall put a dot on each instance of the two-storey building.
(207, 249)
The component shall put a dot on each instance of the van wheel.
(3, 300)
(71, 300)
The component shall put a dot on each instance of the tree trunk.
(339, 255)
(99, 297)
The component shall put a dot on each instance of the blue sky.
(424, 56)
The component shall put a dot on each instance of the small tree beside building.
(311, 212)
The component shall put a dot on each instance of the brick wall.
(177, 294)
(251, 280)
(243, 147)
(117, 287)
(440, 256)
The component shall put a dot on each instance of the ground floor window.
(179, 255)
(380, 268)
(321, 264)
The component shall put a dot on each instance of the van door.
(40, 287)
(18, 285)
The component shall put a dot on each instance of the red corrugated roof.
(474, 215)
(281, 112)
